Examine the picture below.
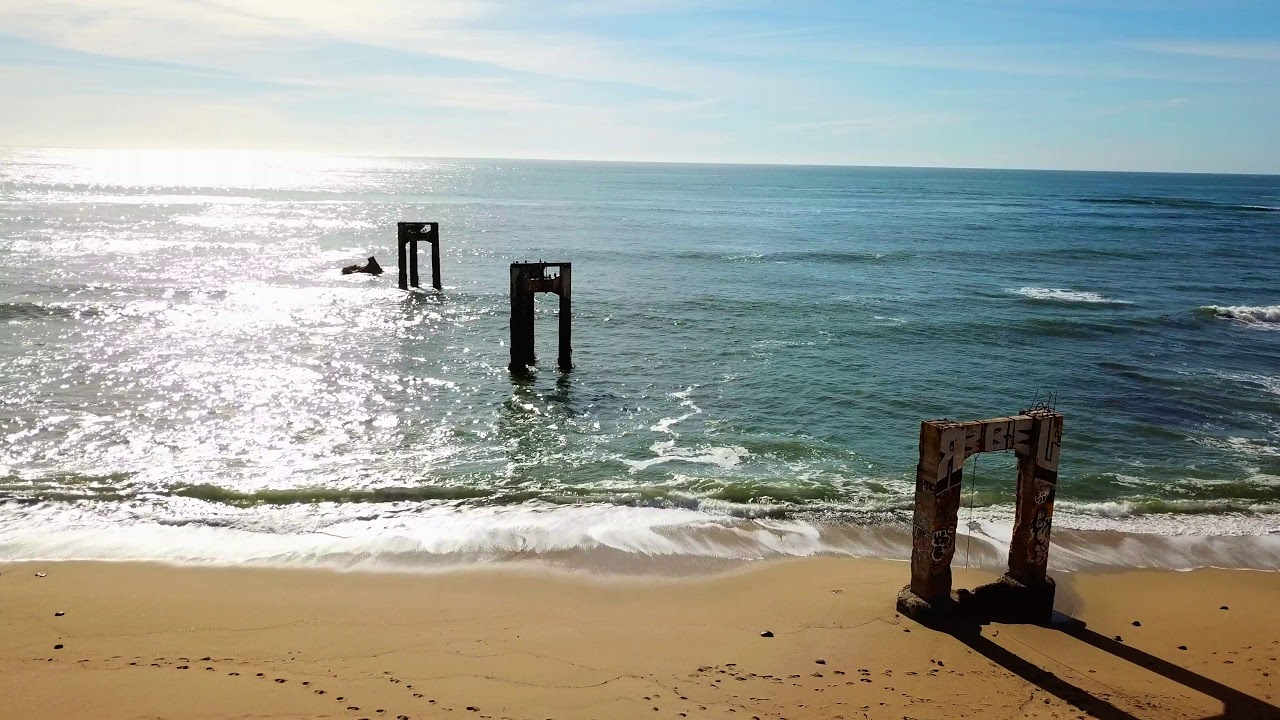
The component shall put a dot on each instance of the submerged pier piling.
(527, 280)
(408, 234)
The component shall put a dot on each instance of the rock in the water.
(369, 268)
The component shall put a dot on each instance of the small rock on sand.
(1137, 624)
(766, 633)
(59, 614)
(57, 647)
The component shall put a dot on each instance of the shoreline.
(146, 639)
(593, 538)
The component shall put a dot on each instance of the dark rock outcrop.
(369, 268)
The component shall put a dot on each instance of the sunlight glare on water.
(754, 344)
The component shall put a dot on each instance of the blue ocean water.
(185, 374)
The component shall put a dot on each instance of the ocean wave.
(1093, 253)
(1060, 295)
(832, 257)
(32, 310)
(1181, 203)
(1244, 314)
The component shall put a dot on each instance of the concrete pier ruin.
(1025, 590)
(408, 234)
(527, 280)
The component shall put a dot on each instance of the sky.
(1162, 85)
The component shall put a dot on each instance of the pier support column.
(939, 475)
(522, 354)
(565, 360)
(435, 256)
(402, 259)
(1033, 515)
(407, 236)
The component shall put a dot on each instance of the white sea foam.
(666, 451)
(416, 537)
(1245, 314)
(1066, 296)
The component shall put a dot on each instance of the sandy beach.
(119, 640)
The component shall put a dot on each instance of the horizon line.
(388, 156)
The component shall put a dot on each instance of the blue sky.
(1188, 85)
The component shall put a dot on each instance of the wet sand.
(146, 641)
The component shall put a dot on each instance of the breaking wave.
(1245, 314)
(1060, 295)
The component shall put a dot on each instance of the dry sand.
(151, 641)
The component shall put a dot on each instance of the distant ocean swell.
(1180, 203)
(832, 257)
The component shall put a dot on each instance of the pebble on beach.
(766, 633)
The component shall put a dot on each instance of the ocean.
(186, 376)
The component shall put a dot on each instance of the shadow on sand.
(1236, 705)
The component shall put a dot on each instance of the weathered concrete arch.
(1036, 438)
(528, 279)
(407, 236)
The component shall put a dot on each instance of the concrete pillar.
(565, 360)
(1037, 486)
(522, 354)
(435, 256)
(402, 258)
(939, 475)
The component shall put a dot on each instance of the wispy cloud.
(877, 121)
(1256, 51)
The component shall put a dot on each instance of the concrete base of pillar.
(925, 612)
(1007, 600)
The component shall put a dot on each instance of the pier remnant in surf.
(528, 279)
(408, 234)
(1025, 590)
